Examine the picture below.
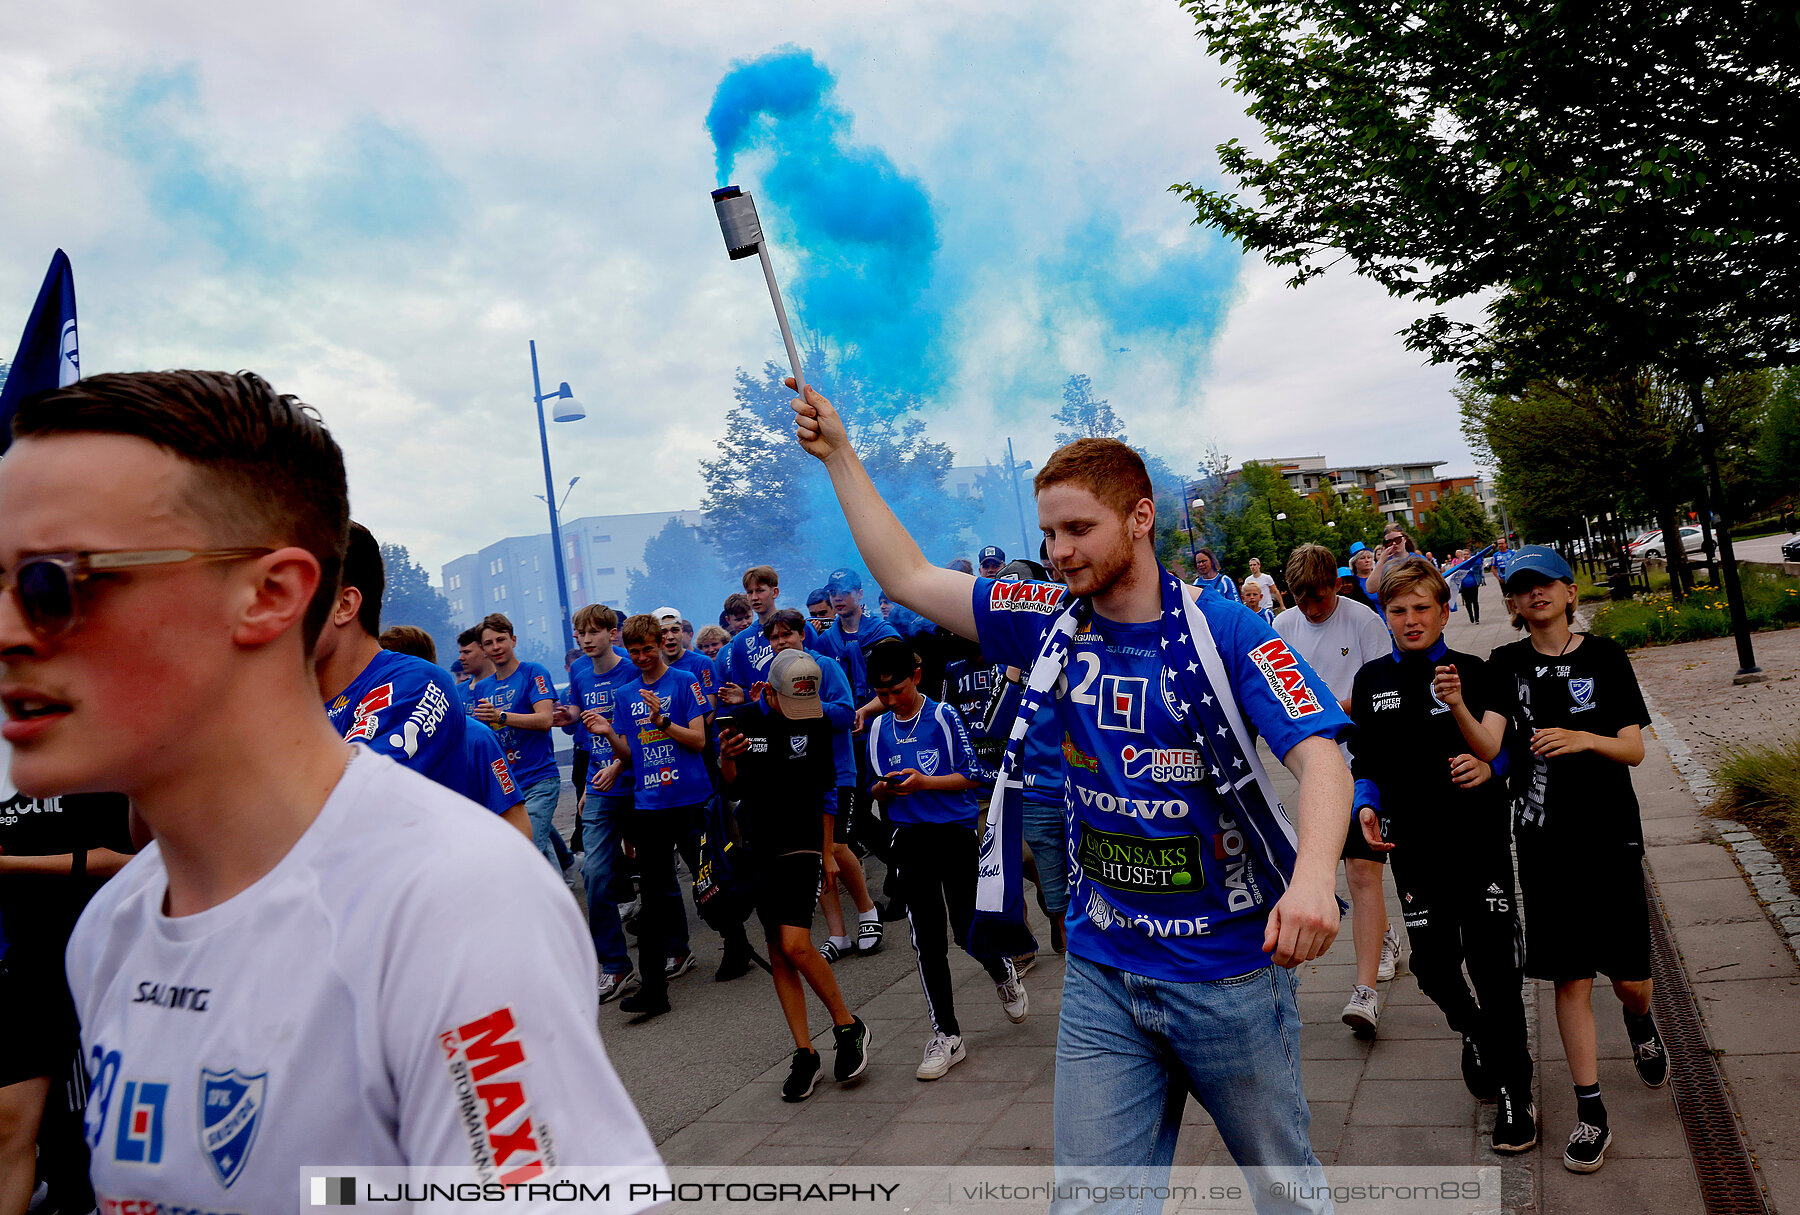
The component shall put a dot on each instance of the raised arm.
(893, 557)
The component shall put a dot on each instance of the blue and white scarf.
(1210, 714)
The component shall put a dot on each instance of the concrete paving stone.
(1416, 1059)
(1690, 862)
(1402, 991)
(1670, 831)
(1043, 1088)
(1748, 950)
(1004, 1157)
(1623, 1184)
(1644, 1121)
(777, 1154)
(1756, 866)
(1762, 1089)
(1790, 925)
(759, 1102)
(917, 1143)
(1781, 1181)
(1196, 1145)
(1708, 901)
(1773, 887)
(961, 1103)
(1653, 808)
(1328, 1121)
(1332, 1041)
(1752, 1017)
(1406, 1021)
(1367, 1144)
(835, 1123)
(1412, 1103)
(1016, 1063)
(1329, 1079)
(1019, 1128)
(715, 1142)
(1781, 909)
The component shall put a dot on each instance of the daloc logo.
(231, 1106)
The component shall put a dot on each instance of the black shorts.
(787, 891)
(1356, 848)
(1583, 916)
(838, 803)
(42, 1035)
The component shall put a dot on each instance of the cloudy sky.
(377, 206)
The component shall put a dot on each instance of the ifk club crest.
(231, 1106)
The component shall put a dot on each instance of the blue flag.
(48, 353)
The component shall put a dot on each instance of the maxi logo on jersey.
(362, 723)
(503, 777)
(1041, 598)
(485, 1059)
(231, 1106)
(1282, 671)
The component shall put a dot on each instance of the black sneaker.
(1651, 1060)
(645, 1004)
(1587, 1148)
(852, 1050)
(1475, 1074)
(803, 1076)
(734, 966)
(1515, 1123)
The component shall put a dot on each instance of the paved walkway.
(1397, 1101)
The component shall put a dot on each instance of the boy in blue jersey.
(818, 609)
(745, 659)
(401, 706)
(847, 642)
(485, 779)
(518, 702)
(660, 741)
(1172, 986)
(475, 665)
(595, 681)
(926, 773)
(676, 653)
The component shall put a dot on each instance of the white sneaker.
(941, 1053)
(1363, 1013)
(1013, 1000)
(614, 986)
(627, 910)
(1393, 957)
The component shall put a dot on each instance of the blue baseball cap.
(1546, 563)
(1345, 571)
(1358, 547)
(818, 596)
(991, 555)
(842, 580)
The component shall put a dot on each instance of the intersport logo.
(1169, 765)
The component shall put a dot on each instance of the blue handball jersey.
(529, 753)
(488, 781)
(587, 690)
(936, 743)
(848, 649)
(663, 772)
(1159, 884)
(409, 710)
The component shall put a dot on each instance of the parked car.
(1791, 550)
(1649, 546)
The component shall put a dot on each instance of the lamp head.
(566, 407)
(737, 220)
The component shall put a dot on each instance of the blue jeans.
(602, 819)
(1129, 1049)
(540, 805)
(1048, 837)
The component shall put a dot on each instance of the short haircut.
(570, 655)
(961, 564)
(1106, 468)
(1311, 568)
(687, 626)
(738, 604)
(472, 635)
(821, 595)
(363, 570)
(712, 632)
(760, 575)
(1406, 576)
(642, 630)
(595, 616)
(264, 468)
(785, 618)
(498, 622)
(890, 660)
(411, 639)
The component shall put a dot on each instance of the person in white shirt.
(323, 959)
(1270, 593)
(1337, 636)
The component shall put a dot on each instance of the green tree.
(1458, 520)
(1260, 514)
(407, 597)
(682, 570)
(1083, 416)
(1777, 443)
(769, 503)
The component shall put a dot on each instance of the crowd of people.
(1085, 724)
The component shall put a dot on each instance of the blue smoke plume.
(862, 231)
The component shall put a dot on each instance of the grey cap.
(795, 677)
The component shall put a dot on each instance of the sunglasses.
(48, 586)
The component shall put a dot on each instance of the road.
(1763, 548)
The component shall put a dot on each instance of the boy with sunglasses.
(262, 988)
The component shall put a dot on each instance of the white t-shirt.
(1267, 582)
(1337, 649)
(409, 985)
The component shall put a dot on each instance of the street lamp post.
(567, 409)
(1013, 469)
(1188, 509)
